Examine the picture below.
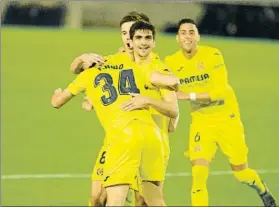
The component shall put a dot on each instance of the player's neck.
(131, 55)
(190, 55)
(142, 60)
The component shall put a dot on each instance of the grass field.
(37, 139)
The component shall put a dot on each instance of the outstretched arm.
(168, 81)
(60, 97)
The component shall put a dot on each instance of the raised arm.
(60, 97)
(161, 80)
(86, 61)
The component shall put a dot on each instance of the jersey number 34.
(126, 85)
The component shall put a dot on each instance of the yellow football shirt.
(156, 93)
(109, 87)
(206, 72)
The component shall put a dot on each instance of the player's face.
(143, 42)
(188, 37)
(125, 34)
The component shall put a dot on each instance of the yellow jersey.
(156, 65)
(109, 87)
(206, 72)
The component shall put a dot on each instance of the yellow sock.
(251, 178)
(199, 194)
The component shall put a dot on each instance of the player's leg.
(232, 143)
(138, 193)
(152, 167)
(137, 188)
(202, 148)
(139, 200)
(166, 149)
(122, 163)
(98, 194)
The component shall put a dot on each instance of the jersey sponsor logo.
(193, 79)
(114, 67)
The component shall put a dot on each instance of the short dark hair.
(186, 20)
(141, 25)
(134, 16)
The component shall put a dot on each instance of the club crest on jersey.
(100, 171)
(200, 66)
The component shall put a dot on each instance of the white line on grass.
(64, 176)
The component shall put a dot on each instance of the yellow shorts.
(137, 148)
(228, 135)
(98, 171)
(166, 149)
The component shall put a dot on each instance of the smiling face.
(143, 42)
(125, 35)
(188, 37)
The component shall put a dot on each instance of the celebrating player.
(130, 148)
(215, 114)
(160, 101)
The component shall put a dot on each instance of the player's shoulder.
(155, 56)
(115, 57)
(173, 57)
(209, 50)
(160, 66)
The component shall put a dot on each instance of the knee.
(139, 200)
(97, 198)
(241, 176)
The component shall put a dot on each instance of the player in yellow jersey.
(215, 114)
(130, 149)
(157, 99)
(85, 61)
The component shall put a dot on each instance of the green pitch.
(38, 139)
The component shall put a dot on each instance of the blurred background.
(226, 18)
(48, 155)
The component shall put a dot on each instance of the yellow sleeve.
(79, 84)
(219, 77)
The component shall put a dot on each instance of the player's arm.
(161, 80)
(173, 124)
(61, 97)
(219, 79)
(86, 61)
(168, 106)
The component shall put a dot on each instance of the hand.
(87, 104)
(91, 59)
(57, 92)
(136, 102)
